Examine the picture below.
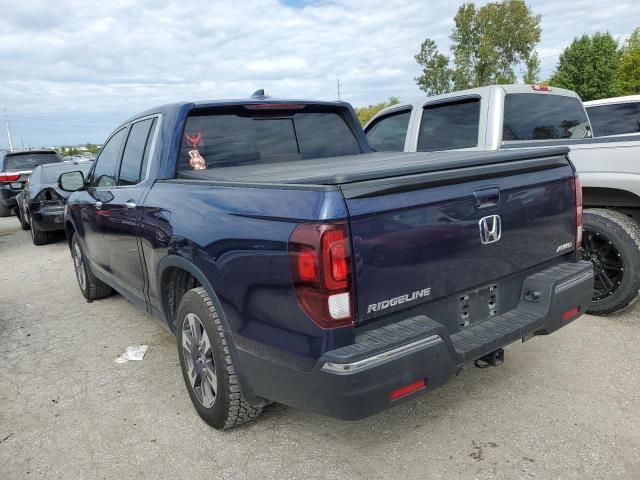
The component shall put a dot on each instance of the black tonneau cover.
(367, 166)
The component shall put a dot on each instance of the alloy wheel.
(78, 263)
(199, 360)
(608, 267)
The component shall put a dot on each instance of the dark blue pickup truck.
(297, 266)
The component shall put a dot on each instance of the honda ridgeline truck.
(510, 117)
(295, 266)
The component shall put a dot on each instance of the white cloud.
(106, 60)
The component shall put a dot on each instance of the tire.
(224, 407)
(612, 243)
(40, 237)
(23, 223)
(90, 286)
(5, 212)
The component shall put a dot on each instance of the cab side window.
(135, 151)
(449, 126)
(104, 173)
(388, 134)
(616, 119)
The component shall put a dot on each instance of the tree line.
(496, 44)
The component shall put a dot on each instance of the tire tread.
(621, 225)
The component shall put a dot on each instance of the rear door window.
(536, 116)
(450, 126)
(388, 133)
(615, 119)
(29, 161)
(104, 174)
(241, 136)
(134, 151)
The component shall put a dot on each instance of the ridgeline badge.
(392, 302)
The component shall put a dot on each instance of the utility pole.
(339, 96)
(6, 123)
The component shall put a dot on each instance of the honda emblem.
(490, 229)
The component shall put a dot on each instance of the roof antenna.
(259, 94)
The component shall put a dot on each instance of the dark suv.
(15, 168)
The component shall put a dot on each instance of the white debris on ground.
(133, 352)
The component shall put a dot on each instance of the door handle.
(487, 197)
(130, 205)
(97, 204)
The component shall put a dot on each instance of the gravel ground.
(565, 406)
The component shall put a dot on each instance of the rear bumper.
(49, 218)
(356, 381)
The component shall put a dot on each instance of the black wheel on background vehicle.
(206, 364)
(90, 286)
(611, 242)
(5, 212)
(39, 237)
(24, 223)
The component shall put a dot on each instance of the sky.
(72, 70)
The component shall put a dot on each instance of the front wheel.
(90, 286)
(206, 364)
(611, 242)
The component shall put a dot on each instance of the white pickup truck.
(502, 117)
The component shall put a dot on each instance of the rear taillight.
(577, 188)
(49, 195)
(320, 259)
(9, 177)
(541, 88)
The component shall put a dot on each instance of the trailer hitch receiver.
(492, 359)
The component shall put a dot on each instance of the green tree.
(92, 148)
(366, 113)
(589, 66)
(436, 76)
(628, 77)
(488, 44)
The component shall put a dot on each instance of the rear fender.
(181, 262)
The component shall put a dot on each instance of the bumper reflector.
(569, 314)
(407, 389)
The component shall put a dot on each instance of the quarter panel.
(238, 238)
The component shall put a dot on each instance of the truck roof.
(174, 108)
(609, 101)
(479, 92)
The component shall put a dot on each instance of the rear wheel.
(39, 237)
(90, 286)
(206, 364)
(24, 223)
(5, 212)
(612, 244)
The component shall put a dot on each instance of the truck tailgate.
(422, 237)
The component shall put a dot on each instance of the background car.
(15, 168)
(614, 116)
(41, 202)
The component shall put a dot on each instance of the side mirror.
(71, 181)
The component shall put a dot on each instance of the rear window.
(243, 137)
(51, 174)
(449, 126)
(615, 119)
(531, 116)
(29, 161)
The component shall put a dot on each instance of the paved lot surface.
(562, 407)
